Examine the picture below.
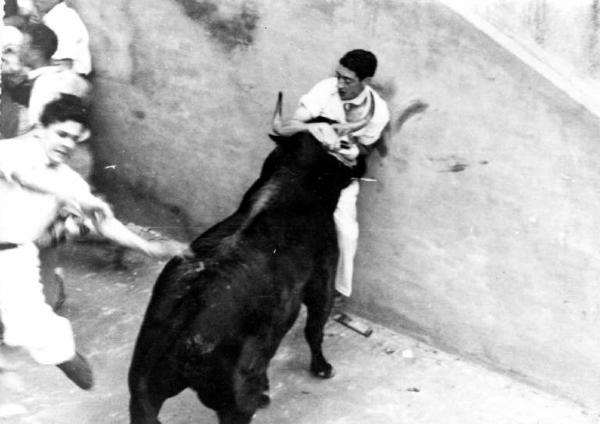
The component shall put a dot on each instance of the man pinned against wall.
(35, 185)
(347, 99)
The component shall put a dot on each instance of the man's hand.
(93, 206)
(342, 129)
(165, 249)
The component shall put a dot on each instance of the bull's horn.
(358, 125)
(277, 124)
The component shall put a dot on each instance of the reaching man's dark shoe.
(79, 371)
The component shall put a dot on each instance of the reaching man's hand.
(93, 206)
(165, 249)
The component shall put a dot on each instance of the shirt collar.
(358, 100)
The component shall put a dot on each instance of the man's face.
(11, 39)
(60, 138)
(348, 84)
(10, 60)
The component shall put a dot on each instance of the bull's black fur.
(215, 320)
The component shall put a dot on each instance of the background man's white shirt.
(73, 37)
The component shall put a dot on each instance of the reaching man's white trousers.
(29, 322)
(347, 234)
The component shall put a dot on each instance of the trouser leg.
(29, 322)
(347, 235)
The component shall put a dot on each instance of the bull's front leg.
(141, 410)
(318, 299)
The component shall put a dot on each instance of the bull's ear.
(276, 138)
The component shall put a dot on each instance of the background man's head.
(354, 71)
(11, 39)
(38, 46)
(64, 123)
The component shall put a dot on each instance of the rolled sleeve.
(317, 99)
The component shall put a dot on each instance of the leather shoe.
(78, 371)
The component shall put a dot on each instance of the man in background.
(73, 38)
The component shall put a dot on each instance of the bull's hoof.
(322, 371)
(264, 400)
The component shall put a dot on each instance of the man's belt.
(6, 246)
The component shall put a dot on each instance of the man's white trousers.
(29, 322)
(346, 226)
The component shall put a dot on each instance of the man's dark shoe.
(79, 371)
(338, 301)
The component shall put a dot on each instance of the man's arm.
(46, 182)
(294, 125)
(114, 230)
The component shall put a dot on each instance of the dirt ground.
(384, 378)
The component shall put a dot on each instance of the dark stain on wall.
(457, 167)
(232, 31)
(139, 114)
(450, 163)
(328, 7)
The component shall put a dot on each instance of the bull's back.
(231, 288)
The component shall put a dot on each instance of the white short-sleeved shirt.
(49, 83)
(73, 37)
(324, 100)
(25, 214)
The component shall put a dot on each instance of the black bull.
(215, 320)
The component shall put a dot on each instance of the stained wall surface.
(567, 32)
(480, 233)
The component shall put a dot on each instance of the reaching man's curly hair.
(66, 108)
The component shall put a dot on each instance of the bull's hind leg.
(264, 399)
(150, 391)
(318, 299)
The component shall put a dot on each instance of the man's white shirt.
(324, 100)
(73, 37)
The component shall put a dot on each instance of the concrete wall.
(567, 31)
(480, 233)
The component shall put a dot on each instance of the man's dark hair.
(42, 39)
(66, 108)
(11, 8)
(362, 62)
